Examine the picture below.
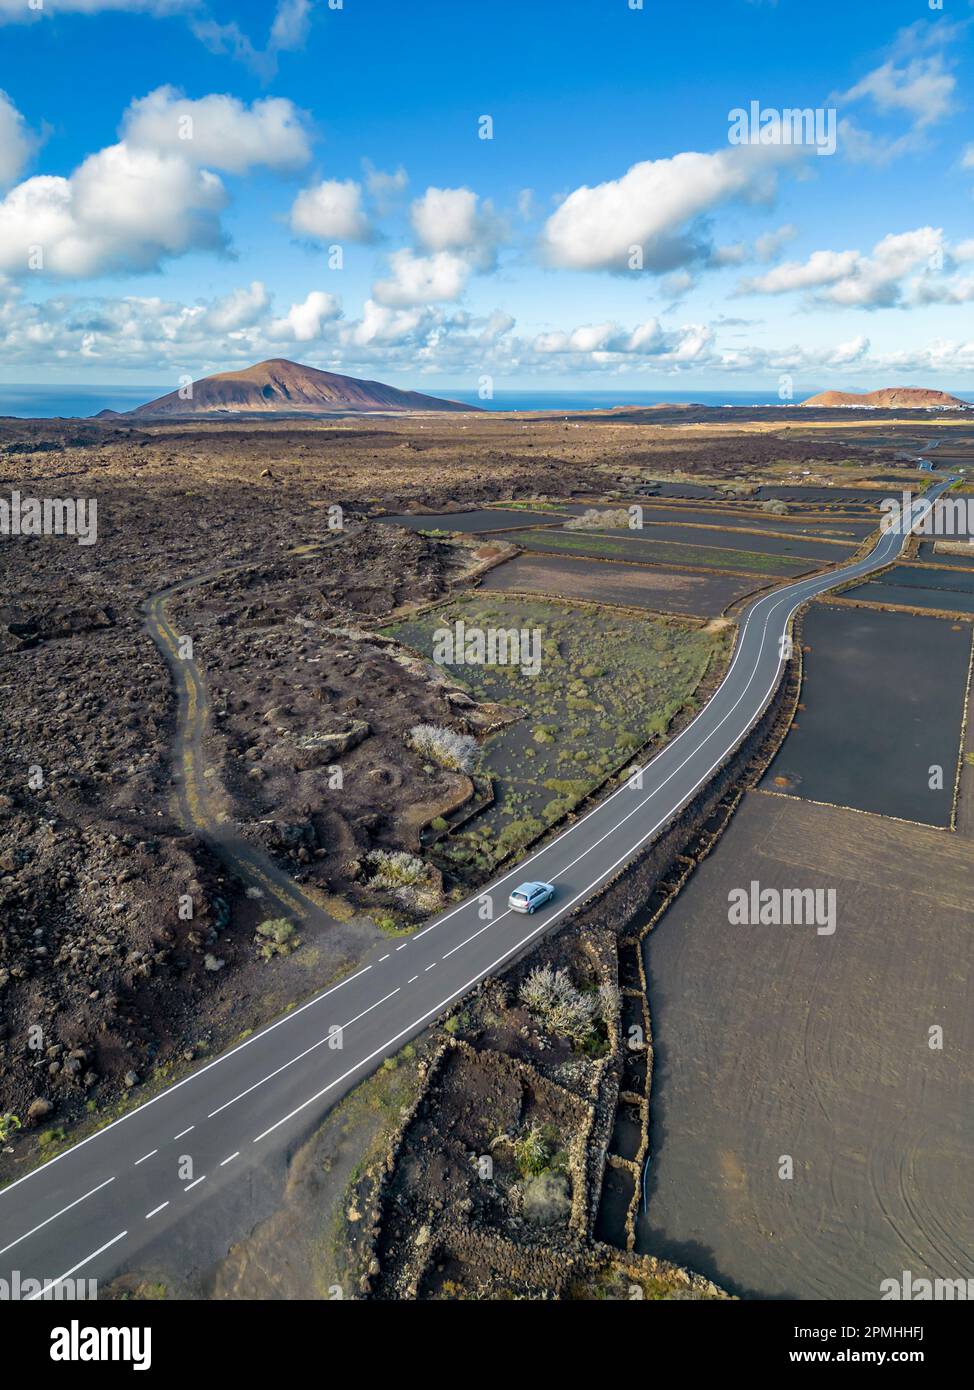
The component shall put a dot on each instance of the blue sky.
(175, 176)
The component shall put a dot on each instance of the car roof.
(529, 887)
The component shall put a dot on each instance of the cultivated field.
(881, 705)
(631, 586)
(627, 545)
(774, 1040)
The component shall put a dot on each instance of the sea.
(52, 402)
(71, 402)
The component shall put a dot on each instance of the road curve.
(90, 1212)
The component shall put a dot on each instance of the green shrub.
(532, 1152)
(277, 937)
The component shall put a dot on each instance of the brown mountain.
(890, 398)
(279, 387)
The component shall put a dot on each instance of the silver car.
(530, 896)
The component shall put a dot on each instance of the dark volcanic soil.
(93, 860)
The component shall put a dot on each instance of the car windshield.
(521, 897)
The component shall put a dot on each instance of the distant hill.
(279, 387)
(890, 398)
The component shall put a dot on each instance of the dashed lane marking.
(284, 1065)
(41, 1226)
(41, 1293)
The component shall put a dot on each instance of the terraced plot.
(851, 529)
(608, 683)
(773, 1040)
(921, 586)
(785, 492)
(929, 577)
(883, 702)
(624, 546)
(486, 519)
(802, 547)
(927, 553)
(632, 586)
(913, 596)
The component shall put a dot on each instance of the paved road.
(89, 1212)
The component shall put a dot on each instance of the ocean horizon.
(39, 402)
(36, 402)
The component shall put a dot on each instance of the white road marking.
(248, 1042)
(74, 1268)
(143, 1158)
(284, 1065)
(487, 926)
(385, 957)
(56, 1215)
(155, 1211)
(196, 1183)
(225, 1161)
(800, 592)
(182, 1132)
(812, 588)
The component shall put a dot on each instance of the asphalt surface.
(90, 1212)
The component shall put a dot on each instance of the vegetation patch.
(276, 937)
(607, 685)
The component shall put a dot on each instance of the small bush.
(9, 1125)
(446, 747)
(395, 868)
(609, 1003)
(405, 875)
(532, 1152)
(560, 1007)
(277, 937)
(592, 519)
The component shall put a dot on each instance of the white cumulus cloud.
(653, 206)
(331, 209)
(422, 279)
(454, 219)
(898, 271)
(17, 143)
(122, 209)
(149, 197)
(241, 308)
(20, 11)
(305, 322)
(219, 131)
